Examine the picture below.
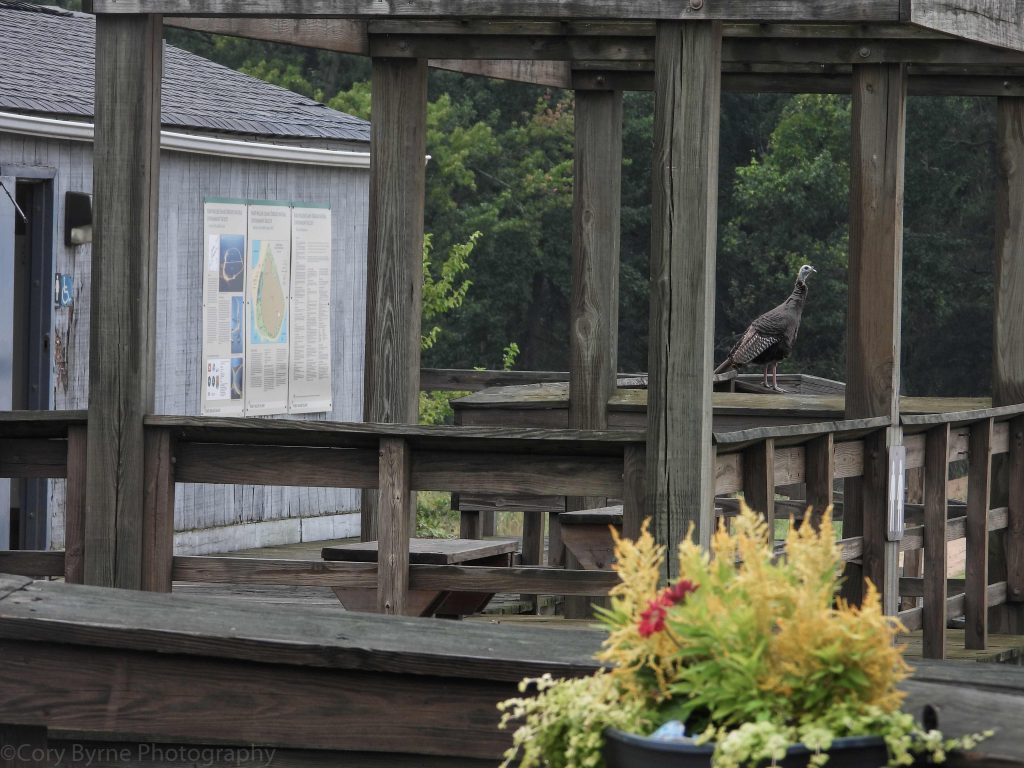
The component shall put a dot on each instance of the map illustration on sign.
(231, 264)
(270, 302)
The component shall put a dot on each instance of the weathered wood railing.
(543, 464)
(995, 503)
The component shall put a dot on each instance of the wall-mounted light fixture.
(77, 218)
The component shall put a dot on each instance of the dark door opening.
(30, 268)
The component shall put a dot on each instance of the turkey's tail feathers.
(725, 366)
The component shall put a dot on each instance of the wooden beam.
(867, 11)
(680, 474)
(979, 486)
(158, 511)
(340, 35)
(873, 321)
(626, 46)
(554, 74)
(759, 481)
(393, 526)
(1008, 327)
(820, 474)
(1015, 523)
(594, 293)
(122, 327)
(74, 506)
(349, 36)
(876, 242)
(634, 503)
(395, 250)
(935, 487)
(984, 21)
(594, 300)
(924, 81)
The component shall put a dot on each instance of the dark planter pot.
(625, 750)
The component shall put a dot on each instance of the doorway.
(26, 240)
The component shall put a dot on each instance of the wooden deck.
(142, 668)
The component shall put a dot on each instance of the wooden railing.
(995, 503)
(543, 464)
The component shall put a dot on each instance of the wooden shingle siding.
(186, 179)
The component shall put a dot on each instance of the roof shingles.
(48, 68)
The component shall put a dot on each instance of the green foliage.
(442, 290)
(790, 208)
(435, 518)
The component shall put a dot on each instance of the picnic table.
(427, 602)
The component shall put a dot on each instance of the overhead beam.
(122, 327)
(680, 479)
(993, 22)
(349, 36)
(621, 28)
(837, 82)
(627, 47)
(652, 10)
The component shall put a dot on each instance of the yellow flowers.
(759, 636)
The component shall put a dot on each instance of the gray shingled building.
(225, 135)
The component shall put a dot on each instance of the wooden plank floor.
(1001, 648)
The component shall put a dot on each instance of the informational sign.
(224, 237)
(309, 384)
(266, 302)
(267, 266)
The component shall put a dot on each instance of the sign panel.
(309, 384)
(222, 389)
(266, 303)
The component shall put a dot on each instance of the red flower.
(653, 617)
(678, 591)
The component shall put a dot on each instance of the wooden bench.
(424, 602)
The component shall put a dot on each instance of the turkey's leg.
(765, 382)
(775, 378)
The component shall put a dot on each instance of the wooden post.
(936, 469)
(634, 504)
(680, 473)
(1015, 528)
(74, 507)
(820, 473)
(979, 488)
(122, 327)
(875, 284)
(158, 511)
(394, 272)
(1008, 343)
(913, 559)
(759, 482)
(594, 299)
(393, 540)
(1008, 328)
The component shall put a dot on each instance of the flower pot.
(626, 750)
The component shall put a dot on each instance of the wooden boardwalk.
(162, 669)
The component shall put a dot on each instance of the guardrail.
(546, 463)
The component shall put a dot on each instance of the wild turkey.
(770, 338)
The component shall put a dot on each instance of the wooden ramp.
(122, 668)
